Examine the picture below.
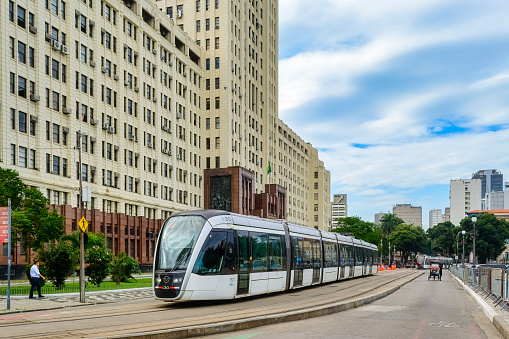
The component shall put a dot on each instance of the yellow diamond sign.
(83, 224)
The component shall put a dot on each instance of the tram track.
(151, 315)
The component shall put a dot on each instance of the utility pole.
(82, 236)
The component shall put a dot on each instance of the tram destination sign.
(4, 225)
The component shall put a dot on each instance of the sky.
(399, 97)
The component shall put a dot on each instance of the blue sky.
(400, 97)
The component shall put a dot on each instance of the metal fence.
(491, 282)
(24, 289)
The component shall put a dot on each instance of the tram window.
(243, 238)
(210, 258)
(358, 256)
(230, 254)
(177, 241)
(349, 255)
(259, 250)
(306, 251)
(330, 254)
(276, 253)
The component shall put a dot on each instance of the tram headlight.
(158, 280)
(177, 280)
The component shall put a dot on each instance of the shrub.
(123, 267)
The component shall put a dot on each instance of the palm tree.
(389, 222)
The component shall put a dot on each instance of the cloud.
(399, 97)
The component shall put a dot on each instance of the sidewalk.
(52, 301)
(63, 300)
(497, 315)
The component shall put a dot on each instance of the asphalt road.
(145, 315)
(420, 309)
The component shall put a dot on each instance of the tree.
(389, 222)
(11, 187)
(57, 259)
(443, 238)
(491, 236)
(32, 223)
(407, 239)
(123, 267)
(359, 228)
(98, 258)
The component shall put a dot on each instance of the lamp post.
(463, 255)
(474, 219)
(457, 250)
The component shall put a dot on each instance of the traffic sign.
(83, 224)
(4, 225)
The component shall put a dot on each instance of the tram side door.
(298, 265)
(342, 261)
(244, 263)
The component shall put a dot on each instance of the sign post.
(5, 237)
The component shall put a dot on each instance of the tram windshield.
(177, 241)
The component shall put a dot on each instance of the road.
(151, 315)
(420, 309)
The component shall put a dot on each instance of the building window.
(22, 52)
(217, 62)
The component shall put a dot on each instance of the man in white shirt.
(34, 280)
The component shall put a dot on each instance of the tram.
(424, 261)
(213, 255)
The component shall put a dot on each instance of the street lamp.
(463, 255)
(474, 219)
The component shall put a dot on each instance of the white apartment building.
(339, 207)
(465, 195)
(435, 217)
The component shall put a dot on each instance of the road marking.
(444, 324)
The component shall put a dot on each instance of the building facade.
(378, 217)
(149, 94)
(491, 181)
(339, 207)
(435, 217)
(411, 215)
(465, 195)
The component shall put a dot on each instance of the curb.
(500, 324)
(243, 324)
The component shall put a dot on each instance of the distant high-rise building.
(491, 181)
(465, 195)
(339, 207)
(447, 214)
(378, 217)
(410, 214)
(435, 217)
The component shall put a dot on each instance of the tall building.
(447, 214)
(435, 217)
(465, 195)
(491, 181)
(411, 215)
(152, 94)
(339, 207)
(378, 217)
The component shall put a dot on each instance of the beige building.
(465, 195)
(151, 93)
(411, 215)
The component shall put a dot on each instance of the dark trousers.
(36, 285)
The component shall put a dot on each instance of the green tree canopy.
(407, 239)
(32, 222)
(443, 238)
(389, 222)
(491, 236)
(359, 228)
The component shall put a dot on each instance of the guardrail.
(492, 282)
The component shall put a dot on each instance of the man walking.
(34, 280)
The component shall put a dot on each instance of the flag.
(269, 169)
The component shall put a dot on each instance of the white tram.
(212, 254)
